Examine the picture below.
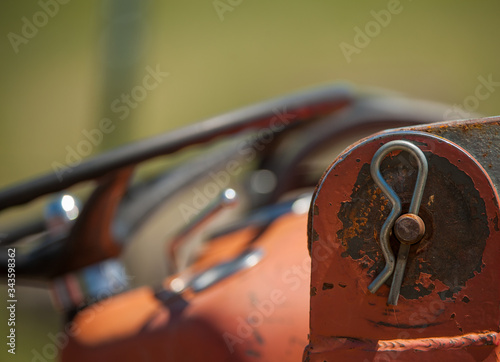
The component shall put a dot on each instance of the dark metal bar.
(300, 106)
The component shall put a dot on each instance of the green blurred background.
(63, 79)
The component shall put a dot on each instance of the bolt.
(409, 228)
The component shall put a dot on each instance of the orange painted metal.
(449, 308)
(258, 313)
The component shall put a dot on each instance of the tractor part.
(449, 302)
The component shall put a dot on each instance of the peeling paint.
(327, 286)
(450, 239)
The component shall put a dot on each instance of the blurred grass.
(54, 87)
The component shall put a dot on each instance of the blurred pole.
(123, 52)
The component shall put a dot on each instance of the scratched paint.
(348, 322)
(449, 241)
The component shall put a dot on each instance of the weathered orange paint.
(211, 325)
(348, 323)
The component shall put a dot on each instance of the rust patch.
(440, 343)
(327, 286)
(315, 235)
(463, 127)
(454, 216)
(312, 235)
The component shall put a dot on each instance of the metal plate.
(450, 285)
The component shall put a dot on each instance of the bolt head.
(409, 228)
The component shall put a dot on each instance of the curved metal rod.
(279, 113)
(404, 249)
(395, 201)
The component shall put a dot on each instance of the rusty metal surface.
(459, 237)
(450, 287)
(483, 347)
(409, 228)
(480, 137)
(426, 344)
